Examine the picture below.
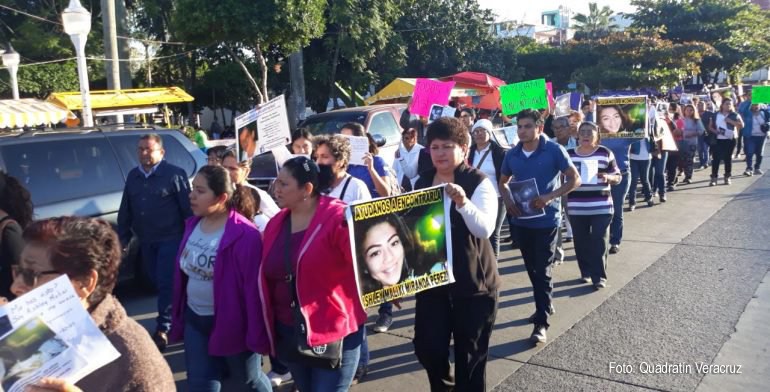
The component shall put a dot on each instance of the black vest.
(473, 260)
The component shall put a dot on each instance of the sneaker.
(602, 283)
(631, 207)
(551, 311)
(650, 203)
(663, 198)
(538, 334)
(614, 249)
(361, 372)
(728, 181)
(748, 173)
(383, 323)
(758, 172)
(671, 188)
(713, 182)
(278, 379)
(687, 181)
(586, 279)
(161, 340)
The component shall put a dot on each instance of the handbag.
(295, 348)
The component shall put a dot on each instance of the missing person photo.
(25, 350)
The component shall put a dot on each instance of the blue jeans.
(754, 146)
(538, 249)
(658, 169)
(619, 193)
(309, 379)
(639, 170)
(158, 260)
(703, 150)
(208, 373)
(363, 359)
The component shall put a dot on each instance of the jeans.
(158, 260)
(208, 373)
(363, 358)
(703, 150)
(310, 379)
(538, 247)
(723, 152)
(657, 170)
(439, 318)
(591, 244)
(754, 146)
(495, 237)
(619, 193)
(640, 170)
(672, 164)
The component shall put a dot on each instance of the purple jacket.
(237, 261)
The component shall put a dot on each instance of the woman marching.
(725, 125)
(693, 128)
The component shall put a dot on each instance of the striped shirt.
(592, 199)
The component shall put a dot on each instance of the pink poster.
(427, 93)
(549, 89)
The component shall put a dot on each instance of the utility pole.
(112, 35)
(297, 73)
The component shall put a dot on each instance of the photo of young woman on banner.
(622, 117)
(401, 245)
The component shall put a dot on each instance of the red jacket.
(326, 283)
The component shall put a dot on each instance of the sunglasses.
(30, 276)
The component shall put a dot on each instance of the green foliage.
(597, 24)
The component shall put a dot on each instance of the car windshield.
(332, 122)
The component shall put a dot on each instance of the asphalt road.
(683, 280)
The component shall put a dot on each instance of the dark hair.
(585, 103)
(359, 130)
(152, 136)
(240, 198)
(218, 151)
(625, 121)
(412, 251)
(15, 200)
(447, 128)
(78, 245)
(301, 133)
(469, 111)
(304, 170)
(533, 115)
(338, 145)
(245, 199)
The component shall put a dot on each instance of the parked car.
(83, 172)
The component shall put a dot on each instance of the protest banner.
(511, 135)
(523, 192)
(575, 101)
(562, 105)
(686, 99)
(401, 244)
(52, 335)
(359, 146)
(427, 93)
(246, 134)
(664, 134)
(622, 117)
(531, 94)
(438, 111)
(273, 125)
(760, 94)
(549, 91)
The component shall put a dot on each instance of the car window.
(64, 169)
(331, 123)
(385, 125)
(125, 147)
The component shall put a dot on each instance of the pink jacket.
(236, 266)
(326, 283)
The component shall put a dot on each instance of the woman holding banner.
(375, 172)
(725, 125)
(307, 281)
(465, 310)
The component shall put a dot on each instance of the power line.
(104, 59)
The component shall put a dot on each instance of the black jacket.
(473, 260)
(498, 154)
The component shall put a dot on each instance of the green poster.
(760, 94)
(531, 94)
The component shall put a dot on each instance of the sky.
(529, 11)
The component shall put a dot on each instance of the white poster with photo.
(273, 128)
(438, 111)
(359, 147)
(54, 309)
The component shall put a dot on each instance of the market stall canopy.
(402, 88)
(478, 79)
(129, 98)
(30, 112)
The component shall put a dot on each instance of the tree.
(245, 27)
(598, 23)
(737, 29)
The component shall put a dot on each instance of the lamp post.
(77, 23)
(11, 60)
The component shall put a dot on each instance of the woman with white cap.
(487, 155)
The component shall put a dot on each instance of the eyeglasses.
(30, 276)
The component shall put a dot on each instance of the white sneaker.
(278, 379)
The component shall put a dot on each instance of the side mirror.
(378, 140)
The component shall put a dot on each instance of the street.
(682, 285)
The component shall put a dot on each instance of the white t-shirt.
(487, 166)
(356, 190)
(756, 124)
(197, 261)
(527, 153)
(722, 125)
(406, 163)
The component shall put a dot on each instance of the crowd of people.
(242, 273)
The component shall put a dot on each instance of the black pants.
(538, 247)
(592, 233)
(438, 318)
(672, 164)
(723, 152)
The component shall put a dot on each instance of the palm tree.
(598, 23)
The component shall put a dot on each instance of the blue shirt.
(620, 148)
(544, 165)
(362, 173)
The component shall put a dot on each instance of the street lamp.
(77, 23)
(11, 60)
